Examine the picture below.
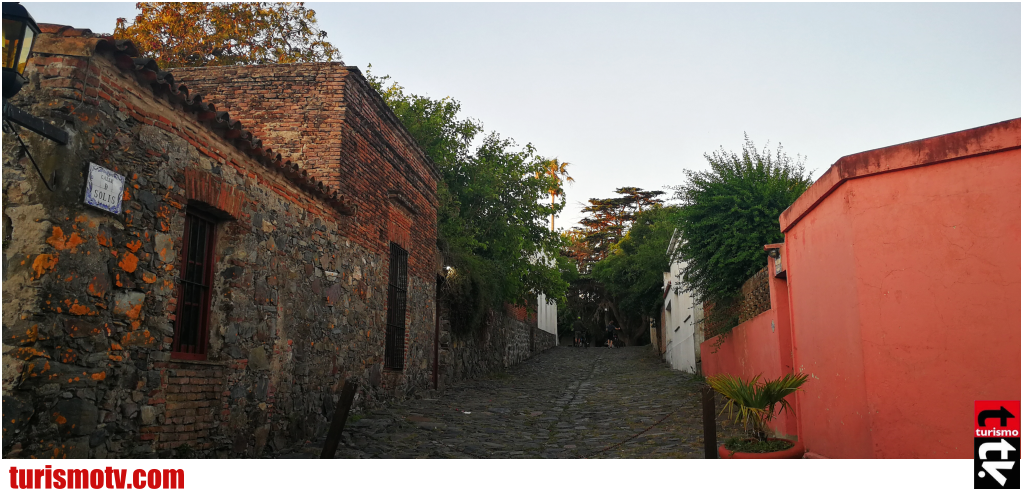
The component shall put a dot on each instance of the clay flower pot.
(796, 451)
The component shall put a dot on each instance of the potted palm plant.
(754, 403)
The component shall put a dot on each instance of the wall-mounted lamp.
(773, 253)
(19, 35)
(20, 32)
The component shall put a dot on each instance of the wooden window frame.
(199, 345)
(397, 308)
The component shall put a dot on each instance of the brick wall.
(345, 134)
(299, 288)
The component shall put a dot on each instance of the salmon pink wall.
(901, 298)
(751, 349)
(903, 274)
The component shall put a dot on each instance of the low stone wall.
(756, 296)
(507, 338)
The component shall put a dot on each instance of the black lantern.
(20, 32)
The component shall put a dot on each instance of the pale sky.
(631, 94)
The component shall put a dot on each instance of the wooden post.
(337, 424)
(710, 427)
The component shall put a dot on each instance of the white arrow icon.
(1002, 446)
(994, 468)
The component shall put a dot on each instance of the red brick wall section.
(345, 134)
(297, 109)
(192, 397)
(212, 191)
(399, 227)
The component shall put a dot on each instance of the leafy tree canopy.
(608, 219)
(219, 34)
(493, 210)
(633, 273)
(619, 259)
(729, 212)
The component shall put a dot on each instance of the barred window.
(191, 328)
(397, 291)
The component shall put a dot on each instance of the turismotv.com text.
(96, 479)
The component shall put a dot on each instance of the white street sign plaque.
(105, 189)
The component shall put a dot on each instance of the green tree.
(729, 212)
(609, 218)
(632, 274)
(219, 34)
(603, 231)
(493, 211)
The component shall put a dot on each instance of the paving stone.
(564, 403)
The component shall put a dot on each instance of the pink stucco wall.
(902, 298)
(760, 346)
(905, 291)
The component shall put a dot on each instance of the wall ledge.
(993, 138)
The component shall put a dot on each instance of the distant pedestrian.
(577, 327)
(612, 333)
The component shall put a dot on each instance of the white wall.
(679, 319)
(547, 315)
(546, 312)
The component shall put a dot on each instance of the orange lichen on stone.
(58, 241)
(82, 219)
(126, 196)
(32, 333)
(138, 338)
(42, 264)
(134, 246)
(134, 312)
(81, 310)
(129, 262)
(149, 277)
(27, 353)
(114, 346)
(99, 375)
(60, 420)
(102, 239)
(73, 241)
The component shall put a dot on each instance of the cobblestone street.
(563, 403)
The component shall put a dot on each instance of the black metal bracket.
(37, 125)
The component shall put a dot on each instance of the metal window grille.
(191, 327)
(397, 292)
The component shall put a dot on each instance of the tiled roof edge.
(125, 56)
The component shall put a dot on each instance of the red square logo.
(996, 418)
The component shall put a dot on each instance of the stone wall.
(756, 296)
(89, 298)
(508, 337)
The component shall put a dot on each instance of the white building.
(547, 312)
(547, 316)
(680, 318)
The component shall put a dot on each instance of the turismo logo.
(996, 445)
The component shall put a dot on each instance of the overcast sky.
(631, 94)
